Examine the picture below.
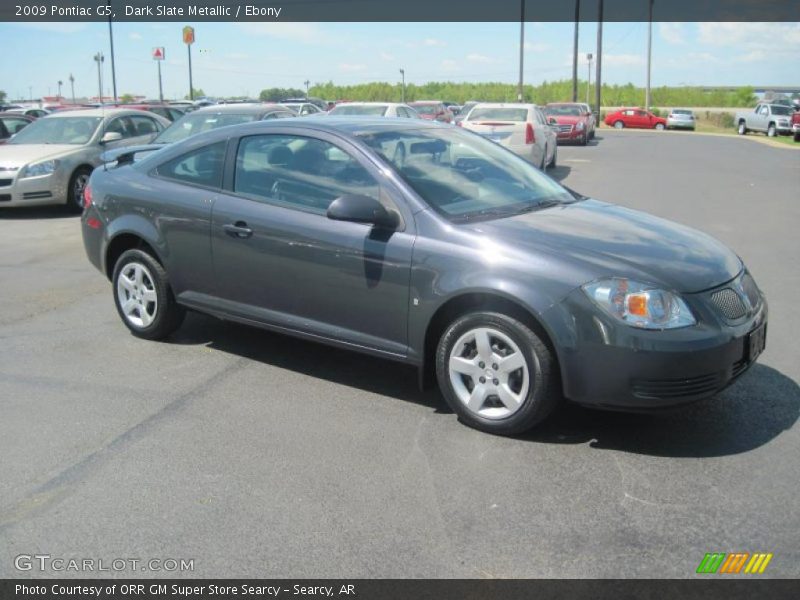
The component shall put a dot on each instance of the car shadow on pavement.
(757, 408)
(43, 212)
(559, 172)
(352, 369)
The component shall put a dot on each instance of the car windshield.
(195, 123)
(426, 109)
(355, 109)
(563, 111)
(499, 114)
(778, 109)
(58, 130)
(463, 176)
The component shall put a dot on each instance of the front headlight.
(38, 169)
(639, 304)
(580, 126)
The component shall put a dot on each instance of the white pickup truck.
(772, 119)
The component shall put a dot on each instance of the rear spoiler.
(124, 156)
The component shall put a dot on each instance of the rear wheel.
(619, 125)
(496, 374)
(742, 130)
(77, 183)
(552, 163)
(143, 296)
(660, 126)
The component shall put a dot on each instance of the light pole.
(521, 45)
(72, 86)
(99, 58)
(589, 79)
(575, 53)
(598, 79)
(111, 40)
(60, 83)
(307, 82)
(647, 98)
(403, 88)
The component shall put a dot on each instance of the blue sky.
(244, 58)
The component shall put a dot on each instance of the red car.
(635, 117)
(432, 110)
(573, 121)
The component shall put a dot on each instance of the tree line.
(548, 91)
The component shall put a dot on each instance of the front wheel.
(143, 296)
(742, 130)
(619, 125)
(660, 126)
(77, 184)
(496, 374)
(771, 131)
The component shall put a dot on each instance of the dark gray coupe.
(426, 244)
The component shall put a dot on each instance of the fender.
(138, 226)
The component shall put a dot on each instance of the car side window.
(202, 167)
(120, 125)
(144, 125)
(15, 125)
(299, 173)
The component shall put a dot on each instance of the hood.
(617, 241)
(567, 119)
(18, 155)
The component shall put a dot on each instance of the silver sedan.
(49, 162)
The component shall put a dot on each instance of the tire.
(660, 126)
(584, 139)
(143, 297)
(742, 130)
(77, 182)
(619, 125)
(554, 160)
(771, 131)
(543, 165)
(531, 390)
(797, 137)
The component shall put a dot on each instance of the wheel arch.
(473, 301)
(127, 240)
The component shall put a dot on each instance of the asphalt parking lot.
(259, 455)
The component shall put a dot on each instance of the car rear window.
(345, 109)
(563, 111)
(499, 114)
(426, 109)
(195, 123)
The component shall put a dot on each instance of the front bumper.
(608, 364)
(32, 191)
(569, 133)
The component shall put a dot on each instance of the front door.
(278, 258)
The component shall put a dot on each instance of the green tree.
(198, 93)
(126, 98)
(2, 96)
(278, 94)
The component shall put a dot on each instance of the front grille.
(656, 389)
(729, 303)
(6, 182)
(565, 128)
(5, 197)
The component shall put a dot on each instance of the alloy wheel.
(136, 294)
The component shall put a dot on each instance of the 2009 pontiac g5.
(426, 244)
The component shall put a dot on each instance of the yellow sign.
(188, 35)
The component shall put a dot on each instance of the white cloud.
(536, 46)
(752, 56)
(433, 42)
(307, 33)
(386, 56)
(349, 68)
(479, 58)
(135, 36)
(448, 64)
(750, 35)
(672, 33)
(623, 60)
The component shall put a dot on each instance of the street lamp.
(99, 58)
(307, 82)
(403, 88)
(589, 81)
(72, 86)
(60, 83)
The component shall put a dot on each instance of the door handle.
(238, 229)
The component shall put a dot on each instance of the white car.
(522, 128)
(50, 160)
(303, 109)
(375, 109)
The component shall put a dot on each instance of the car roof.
(370, 104)
(506, 105)
(96, 112)
(238, 109)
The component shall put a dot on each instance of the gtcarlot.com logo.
(46, 562)
(734, 563)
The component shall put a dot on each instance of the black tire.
(77, 182)
(544, 388)
(771, 130)
(659, 126)
(797, 137)
(742, 129)
(168, 313)
(543, 164)
(619, 125)
(584, 139)
(554, 160)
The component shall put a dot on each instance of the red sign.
(158, 53)
(188, 35)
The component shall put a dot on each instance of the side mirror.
(362, 209)
(552, 121)
(110, 136)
